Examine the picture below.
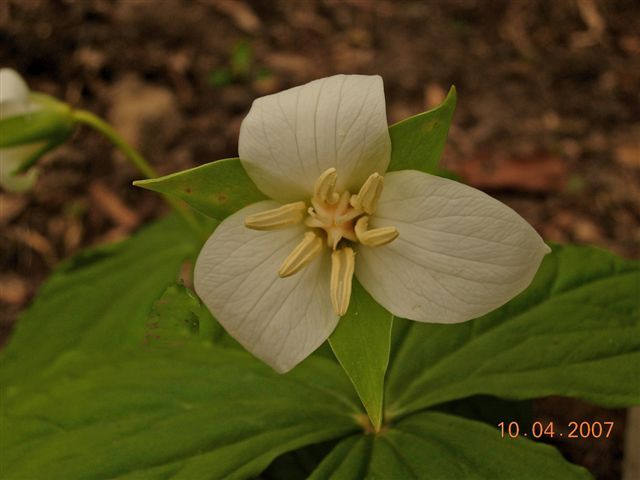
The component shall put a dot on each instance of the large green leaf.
(216, 189)
(575, 332)
(117, 394)
(361, 343)
(175, 413)
(435, 445)
(97, 301)
(418, 141)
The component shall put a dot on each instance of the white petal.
(279, 320)
(12, 87)
(14, 94)
(459, 255)
(10, 160)
(288, 139)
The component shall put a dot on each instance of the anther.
(376, 237)
(367, 198)
(308, 249)
(284, 216)
(324, 188)
(342, 267)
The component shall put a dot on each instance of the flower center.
(336, 220)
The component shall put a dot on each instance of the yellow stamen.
(314, 222)
(342, 267)
(376, 237)
(367, 198)
(308, 249)
(284, 216)
(324, 188)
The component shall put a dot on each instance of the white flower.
(277, 274)
(14, 100)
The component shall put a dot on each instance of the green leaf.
(86, 394)
(97, 301)
(348, 460)
(216, 189)
(436, 445)
(574, 332)
(361, 344)
(201, 412)
(298, 463)
(418, 141)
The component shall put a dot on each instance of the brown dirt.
(548, 117)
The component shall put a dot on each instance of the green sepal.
(32, 159)
(216, 189)
(52, 123)
(361, 343)
(417, 142)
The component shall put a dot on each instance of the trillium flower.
(277, 274)
(14, 100)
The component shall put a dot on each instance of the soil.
(548, 116)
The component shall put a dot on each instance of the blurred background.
(548, 116)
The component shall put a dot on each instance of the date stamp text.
(583, 429)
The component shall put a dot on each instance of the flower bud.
(31, 124)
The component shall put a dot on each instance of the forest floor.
(548, 116)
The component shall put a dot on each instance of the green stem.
(95, 122)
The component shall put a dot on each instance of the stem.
(95, 122)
